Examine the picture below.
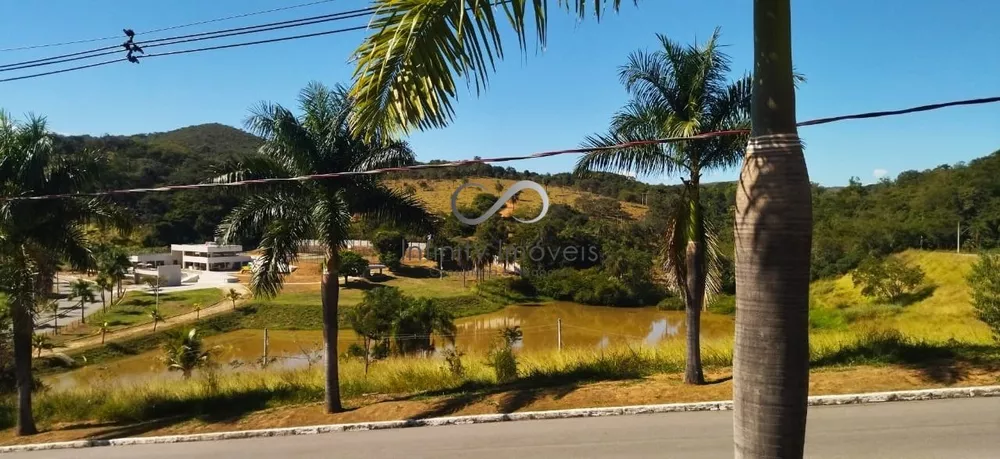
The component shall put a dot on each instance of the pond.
(582, 326)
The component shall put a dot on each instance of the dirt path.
(178, 320)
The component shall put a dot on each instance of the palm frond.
(406, 69)
(279, 249)
(285, 140)
(251, 218)
(641, 159)
(378, 203)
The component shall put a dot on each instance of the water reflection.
(582, 326)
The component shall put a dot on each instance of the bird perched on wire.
(132, 58)
(129, 33)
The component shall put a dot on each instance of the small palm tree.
(282, 214)
(36, 234)
(155, 285)
(53, 307)
(185, 352)
(103, 331)
(197, 311)
(156, 318)
(680, 91)
(104, 283)
(81, 289)
(233, 296)
(40, 343)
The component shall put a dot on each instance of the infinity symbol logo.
(509, 193)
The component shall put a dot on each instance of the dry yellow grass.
(438, 198)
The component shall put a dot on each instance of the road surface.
(952, 429)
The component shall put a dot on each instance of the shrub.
(984, 280)
(352, 264)
(390, 248)
(453, 360)
(424, 185)
(723, 304)
(887, 279)
(671, 303)
(409, 189)
(503, 362)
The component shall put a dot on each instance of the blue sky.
(858, 55)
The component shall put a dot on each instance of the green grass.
(135, 308)
(212, 396)
(941, 312)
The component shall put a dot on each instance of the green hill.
(943, 313)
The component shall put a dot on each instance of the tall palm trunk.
(695, 266)
(773, 242)
(331, 294)
(23, 325)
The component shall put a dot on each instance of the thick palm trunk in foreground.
(23, 325)
(694, 303)
(773, 242)
(331, 294)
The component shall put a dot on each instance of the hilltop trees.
(282, 214)
(984, 280)
(33, 234)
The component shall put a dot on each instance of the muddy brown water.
(582, 327)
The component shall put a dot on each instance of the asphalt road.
(952, 429)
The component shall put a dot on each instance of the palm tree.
(81, 289)
(283, 214)
(114, 264)
(773, 243)
(233, 296)
(156, 317)
(35, 232)
(103, 331)
(104, 284)
(40, 343)
(197, 311)
(185, 352)
(405, 80)
(679, 91)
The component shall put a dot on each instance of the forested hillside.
(916, 210)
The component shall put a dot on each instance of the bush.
(503, 362)
(593, 286)
(409, 189)
(723, 304)
(352, 264)
(887, 279)
(671, 303)
(389, 245)
(453, 360)
(984, 281)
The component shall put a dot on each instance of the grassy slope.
(134, 310)
(438, 198)
(943, 314)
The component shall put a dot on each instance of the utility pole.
(559, 333)
(958, 238)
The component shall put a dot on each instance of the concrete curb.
(819, 400)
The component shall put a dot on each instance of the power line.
(543, 154)
(196, 50)
(191, 38)
(181, 26)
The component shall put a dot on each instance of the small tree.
(53, 307)
(156, 317)
(984, 281)
(104, 284)
(103, 331)
(390, 248)
(40, 343)
(185, 352)
(81, 289)
(233, 296)
(887, 279)
(155, 285)
(501, 356)
(373, 318)
(352, 264)
(197, 311)
(498, 185)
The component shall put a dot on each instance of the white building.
(201, 257)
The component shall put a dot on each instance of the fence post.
(266, 342)
(559, 333)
